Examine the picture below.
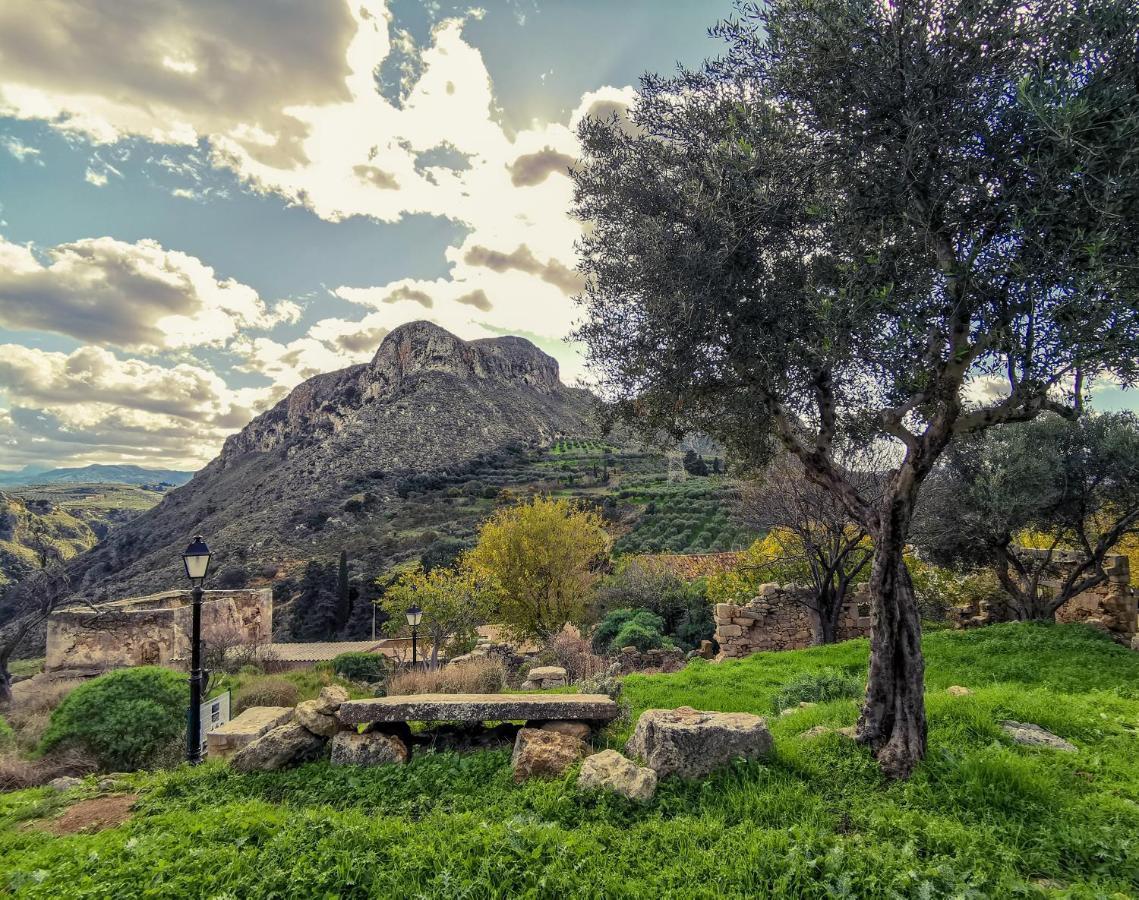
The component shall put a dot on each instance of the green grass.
(980, 818)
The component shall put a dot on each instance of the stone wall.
(777, 619)
(153, 630)
(1112, 607)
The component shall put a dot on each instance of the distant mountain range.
(95, 474)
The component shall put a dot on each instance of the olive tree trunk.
(893, 714)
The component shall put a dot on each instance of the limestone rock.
(609, 770)
(64, 783)
(331, 696)
(579, 730)
(1034, 736)
(244, 729)
(284, 746)
(479, 708)
(956, 690)
(545, 677)
(372, 748)
(309, 715)
(544, 754)
(691, 743)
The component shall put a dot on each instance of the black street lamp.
(413, 616)
(197, 562)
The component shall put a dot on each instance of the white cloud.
(90, 402)
(99, 179)
(21, 151)
(136, 296)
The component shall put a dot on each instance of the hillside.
(981, 817)
(96, 474)
(33, 533)
(62, 520)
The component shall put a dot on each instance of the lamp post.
(197, 562)
(413, 617)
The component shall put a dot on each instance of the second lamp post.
(414, 615)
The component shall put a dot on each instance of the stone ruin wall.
(153, 630)
(778, 619)
(1112, 607)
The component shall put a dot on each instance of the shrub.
(605, 636)
(477, 676)
(125, 719)
(818, 687)
(7, 735)
(574, 654)
(637, 634)
(18, 772)
(265, 692)
(360, 666)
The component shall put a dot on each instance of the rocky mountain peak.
(421, 346)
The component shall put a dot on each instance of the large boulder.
(609, 770)
(309, 715)
(372, 748)
(331, 696)
(283, 746)
(692, 743)
(544, 754)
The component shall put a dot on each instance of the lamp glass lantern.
(197, 560)
(414, 615)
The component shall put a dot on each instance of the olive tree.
(893, 221)
(1015, 498)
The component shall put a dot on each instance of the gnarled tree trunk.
(893, 714)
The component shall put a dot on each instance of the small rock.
(691, 743)
(309, 715)
(107, 784)
(285, 745)
(803, 704)
(400, 730)
(609, 770)
(331, 696)
(956, 690)
(578, 730)
(544, 754)
(820, 730)
(64, 783)
(1034, 736)
(372, 748)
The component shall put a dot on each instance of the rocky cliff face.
(277, 494)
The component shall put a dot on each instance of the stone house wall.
(153, 630)
(777, 619)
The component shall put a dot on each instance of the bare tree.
(813, 534)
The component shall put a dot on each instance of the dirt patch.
(91, 815)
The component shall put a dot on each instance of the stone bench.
(239, 732)
(592, 708)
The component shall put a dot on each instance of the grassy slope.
(981, 817)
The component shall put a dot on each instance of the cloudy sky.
(203, 203)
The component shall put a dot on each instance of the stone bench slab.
(241, 731)
(480, 708)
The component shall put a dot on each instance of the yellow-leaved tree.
(543, 558)
(454, 601)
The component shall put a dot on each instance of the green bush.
(265, 692)
(818, 687)
(367, 667)
(640, 628)
(125, 719)
(7, 735)
(637, 634)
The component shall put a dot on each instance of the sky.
(203, 203)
